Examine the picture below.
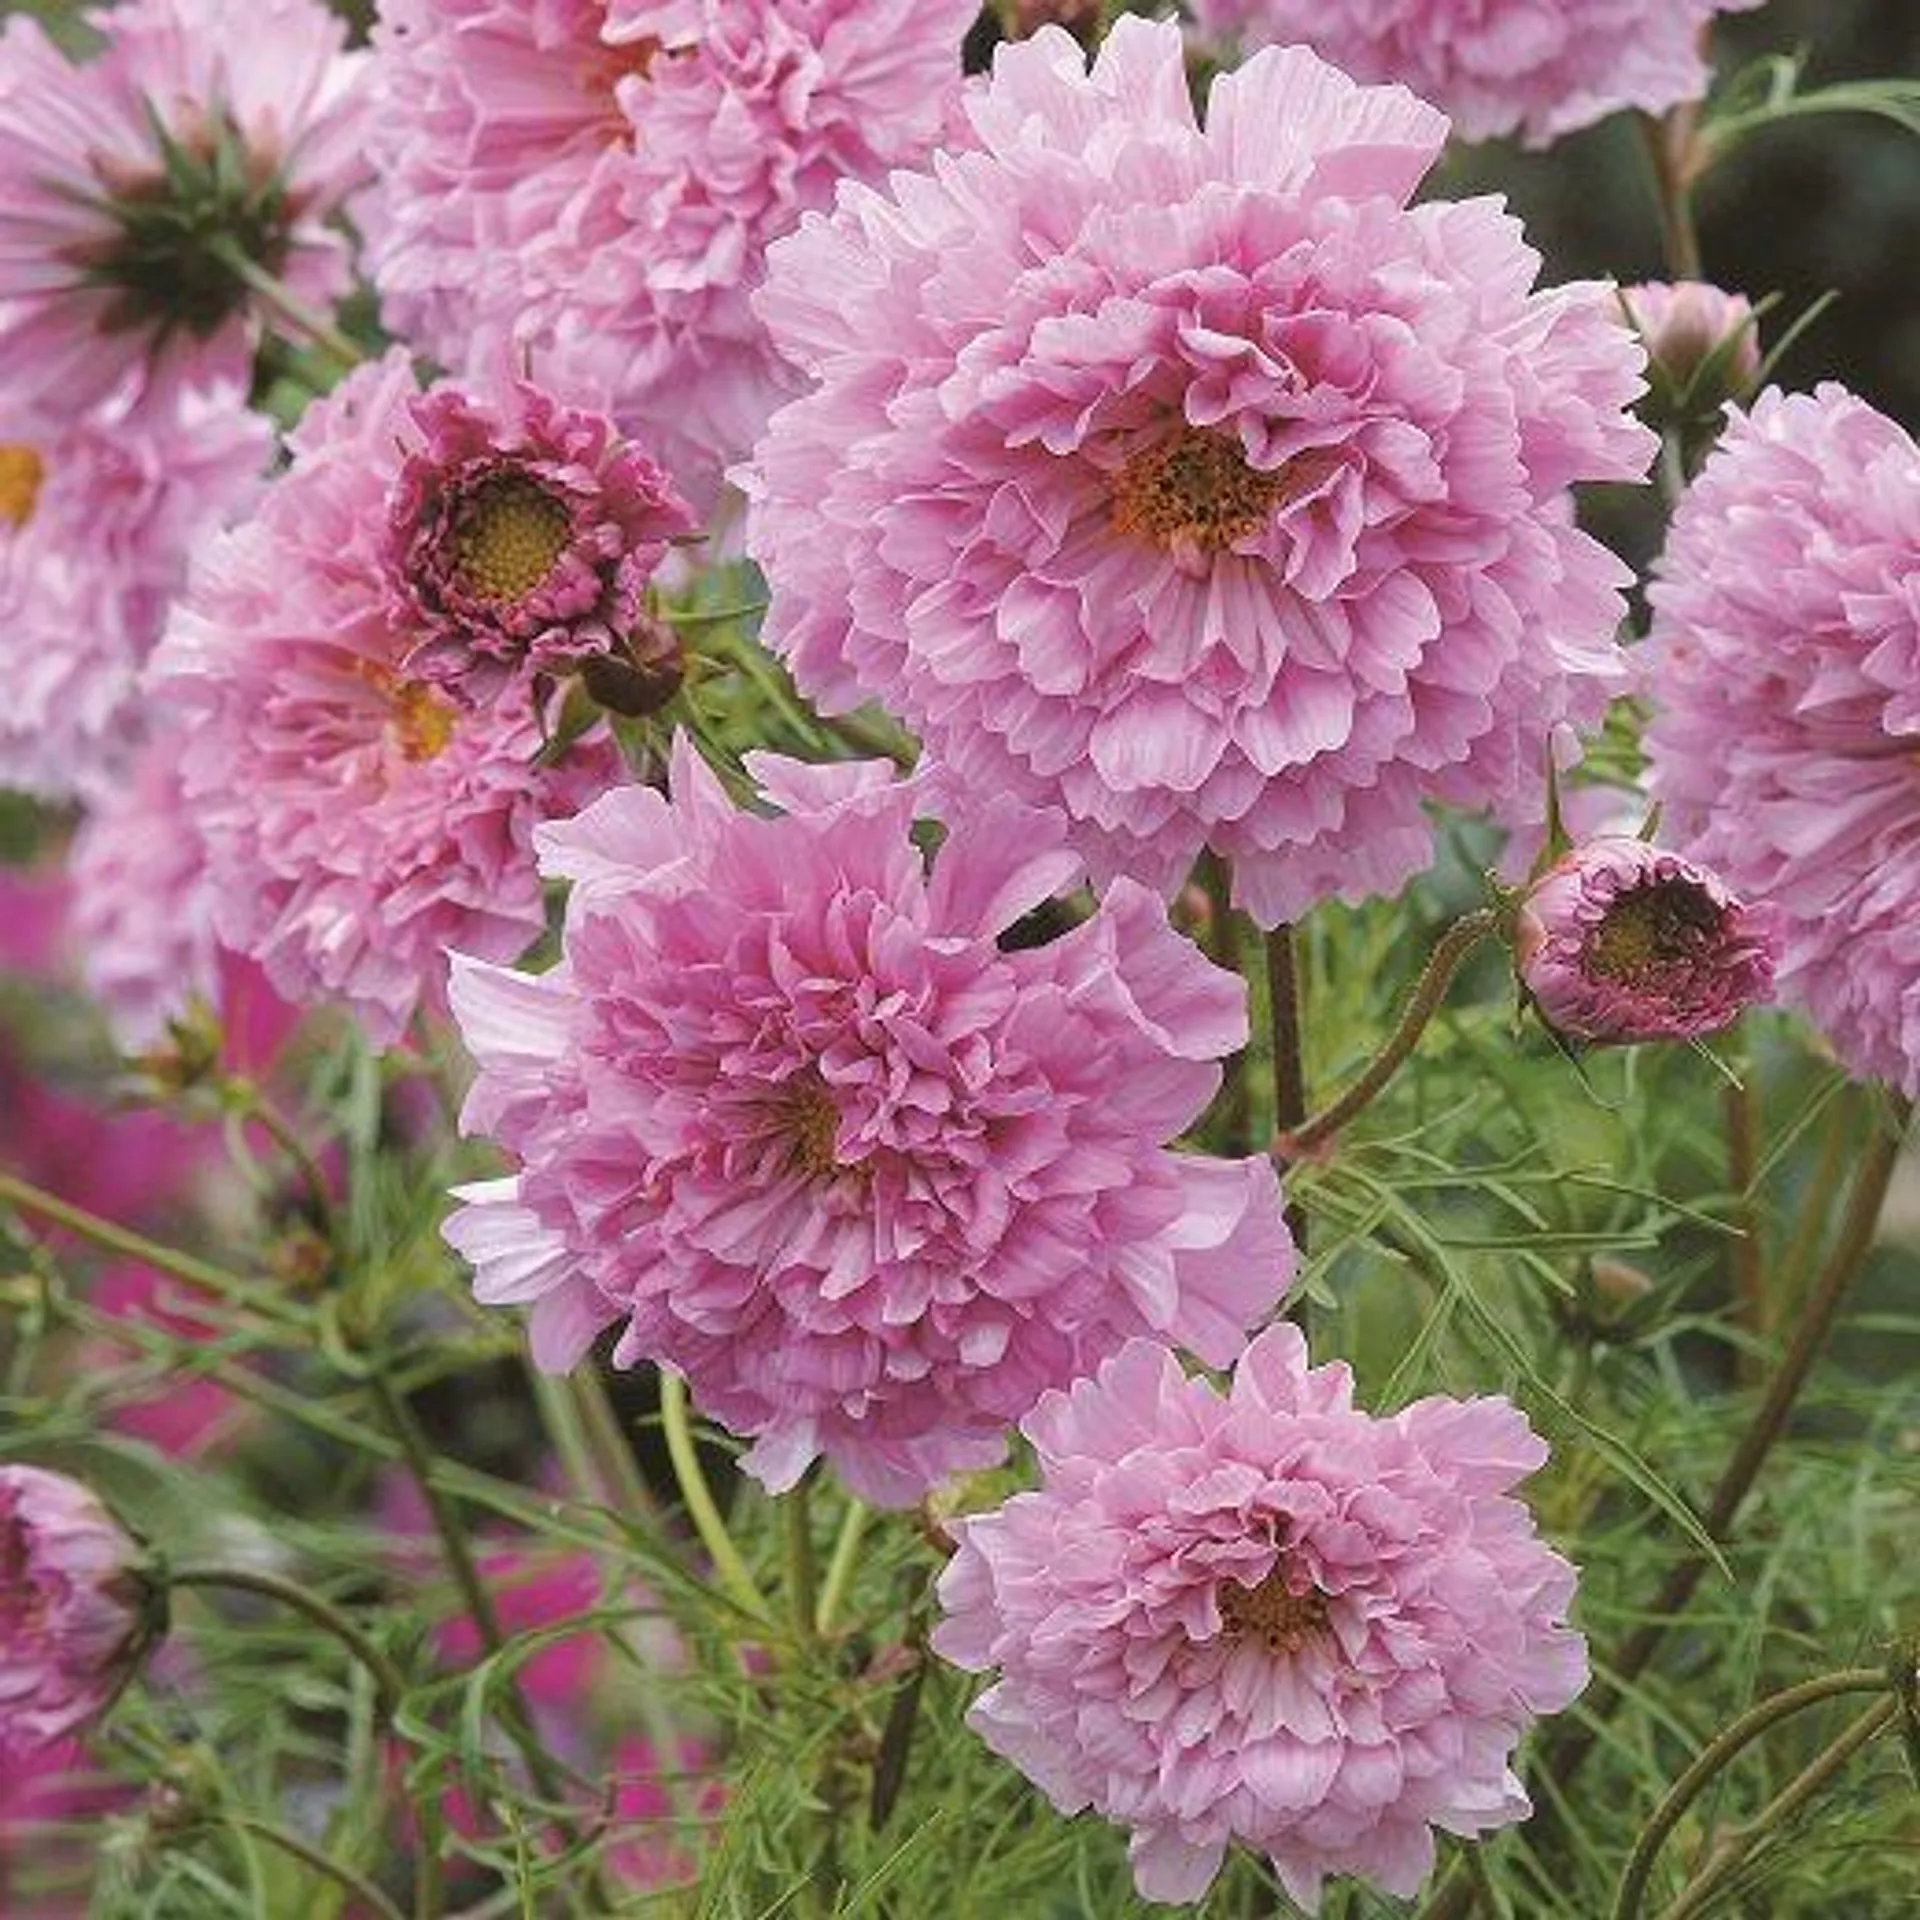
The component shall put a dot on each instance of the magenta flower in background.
(1266, 1616)
(1784, 668)
(788, 1115)
(596, 181)
(1538, 68)
(209, 141)
(522, 534)
(357, 821)
(75, 1610)
(99, 517)
(1191, 482)
(1620, 941)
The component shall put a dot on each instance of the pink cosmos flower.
(208, 141)
(1266, 1617)
(1784, 665)
(357, 822)
(1620, 941)
(75, 1611)
(789, 1114)
(98, 518)
(1540, 68)
(522, 535)
(52, 1802)
(1189, 480)
(597, 181)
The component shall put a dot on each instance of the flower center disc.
(1195, 489)
(21, 472)
(1272, 1613)
(816, 1127)
(1652, 928)
(507, 534)
(422, 721)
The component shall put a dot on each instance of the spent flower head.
(1619, 941)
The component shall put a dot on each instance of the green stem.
(115, 1239)
(286, 305)
(1289, 1055)
(840, 1568)
(1670, 145)
(250, 1104)
(802, 1573)
(1719, 1753)
(1429, 991)
(1565, 1755)
(730, 1570)
(342, 1875)
(1733, 1847)
(387, 1678)
(418, 1454)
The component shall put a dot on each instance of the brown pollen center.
(1663, 924)
(1195, 489)
(21, 472)
(1272, 1613)
(815, 1121)
(507, 534)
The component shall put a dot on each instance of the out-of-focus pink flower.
(357, 821)
(141, 920)
(45, 1873)
(1784, 667)
(1190, 481)
(657, 1809)
(1266, 1617)
(597, 180)
(99, 517)
(522, 535)
(207, 142)
(1620, 941)
(76, 1612)
(787, 1112)
(183, 1416)
(1540, 68)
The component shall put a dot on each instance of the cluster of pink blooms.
(1230, 511)
(788, 1114)
(1783, 664)
(1188, 489)
(596, 182)
(1540, 68)
(1266, 1616)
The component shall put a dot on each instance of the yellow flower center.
(21, 471)
(507, 534)
(1196, 489)
(1651, 928)
(422, 720)
(1272, 1613)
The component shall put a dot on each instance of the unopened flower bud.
(1621, 941)
(77, 1609)
(1703, 345)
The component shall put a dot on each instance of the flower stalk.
(1429, 991)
